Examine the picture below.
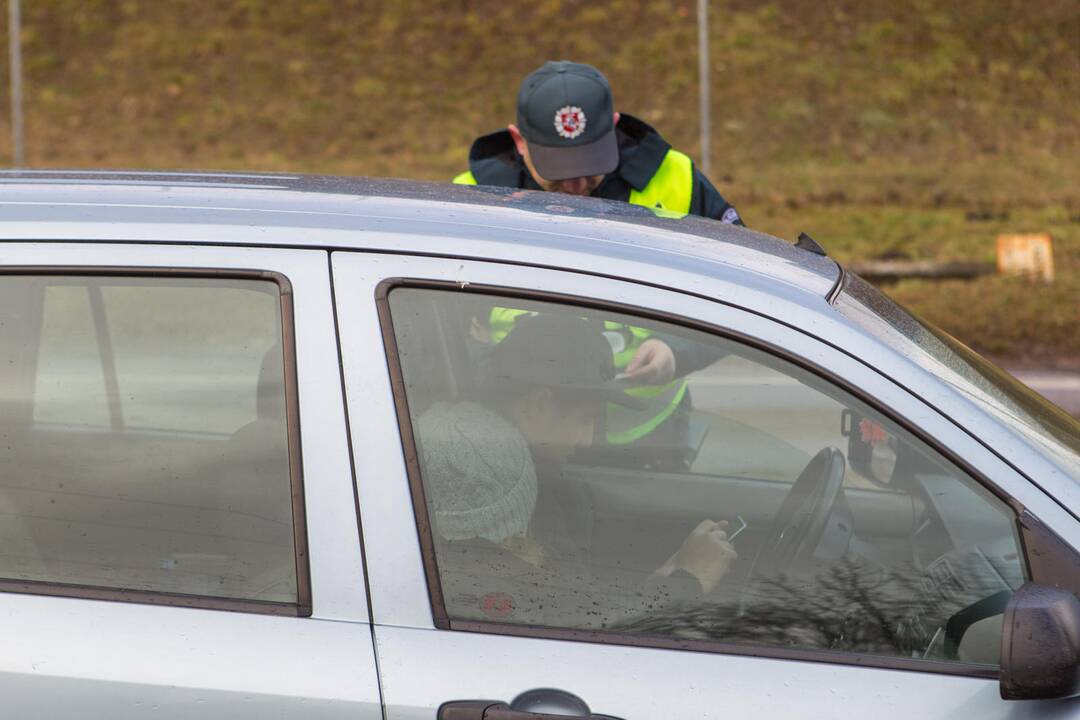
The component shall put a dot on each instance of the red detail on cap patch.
(569, 121)
(497, 606)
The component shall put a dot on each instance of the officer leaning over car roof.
(569, 139)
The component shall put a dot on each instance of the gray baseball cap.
(566, 115)
(562, 352)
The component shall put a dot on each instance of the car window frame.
(303, 605)
(1046, 556)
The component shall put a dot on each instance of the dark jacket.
(484, 581)
(493, 160)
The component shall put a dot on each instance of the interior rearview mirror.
(1040, 644)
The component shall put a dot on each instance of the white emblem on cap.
(569, 121)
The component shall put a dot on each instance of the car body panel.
(646, 683)
(477, 222)
(610, 679)
(86, 654)
(730, 264)
(337, 240)
(72, 657)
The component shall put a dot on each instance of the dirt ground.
(884, 128)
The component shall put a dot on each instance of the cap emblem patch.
(569, 121)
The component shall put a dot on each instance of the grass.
(876, 125)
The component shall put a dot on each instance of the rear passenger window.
(144, 443)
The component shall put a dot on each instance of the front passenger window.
(587, 470)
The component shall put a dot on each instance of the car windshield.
(1042, 423)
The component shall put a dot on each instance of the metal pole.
(703, 84)
(15, 45)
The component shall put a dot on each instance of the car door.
(175, 545)
(466, 609)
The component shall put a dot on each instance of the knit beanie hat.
(478, 472)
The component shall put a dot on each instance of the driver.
(550, 380)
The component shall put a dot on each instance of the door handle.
(495, 710)
(467, 709)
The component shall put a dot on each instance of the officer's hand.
(652, 364)
(706, 554)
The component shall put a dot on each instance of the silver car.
(313, 447)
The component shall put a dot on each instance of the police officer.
(568, 138)
(656, 432)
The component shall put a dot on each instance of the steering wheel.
(804, 515)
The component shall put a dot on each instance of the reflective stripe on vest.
(669, 192)
(624, 425)
(671, 188)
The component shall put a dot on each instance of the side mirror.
(1040, 644)
(872, 451)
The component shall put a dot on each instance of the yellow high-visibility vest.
(671, 188)
(669, 192)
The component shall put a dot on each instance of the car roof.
(469, 221)
(734, 265)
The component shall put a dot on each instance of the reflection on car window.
(145, 441)
(1019, 407)
(591, 470)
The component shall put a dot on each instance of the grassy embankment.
(884, 128)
